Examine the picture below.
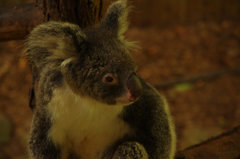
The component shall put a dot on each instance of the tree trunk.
(17, 22)
(82, 12)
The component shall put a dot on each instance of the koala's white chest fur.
(82, 125)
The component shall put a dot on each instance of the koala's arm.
(130, 150)
(40, 145)
(151, 121)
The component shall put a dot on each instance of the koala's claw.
(130, 150)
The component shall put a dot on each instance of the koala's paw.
(130, 150)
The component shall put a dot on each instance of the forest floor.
(200, 109)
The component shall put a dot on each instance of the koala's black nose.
(134, 86)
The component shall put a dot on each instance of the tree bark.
(82, 12)
(17, 22)
(225, 146)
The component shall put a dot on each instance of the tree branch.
(204, 77)
(225, 146)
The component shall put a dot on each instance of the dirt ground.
(200, 110)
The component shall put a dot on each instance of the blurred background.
(190, 50)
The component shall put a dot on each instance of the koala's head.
(95, 62)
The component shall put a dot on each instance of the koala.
(89, 101)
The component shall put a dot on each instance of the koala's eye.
(109, 79)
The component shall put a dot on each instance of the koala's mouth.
(133, 90)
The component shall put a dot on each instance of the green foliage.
(183, 87)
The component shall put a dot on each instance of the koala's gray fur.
(90, 104)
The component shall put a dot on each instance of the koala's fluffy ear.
(116, 18)
(54, 40)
